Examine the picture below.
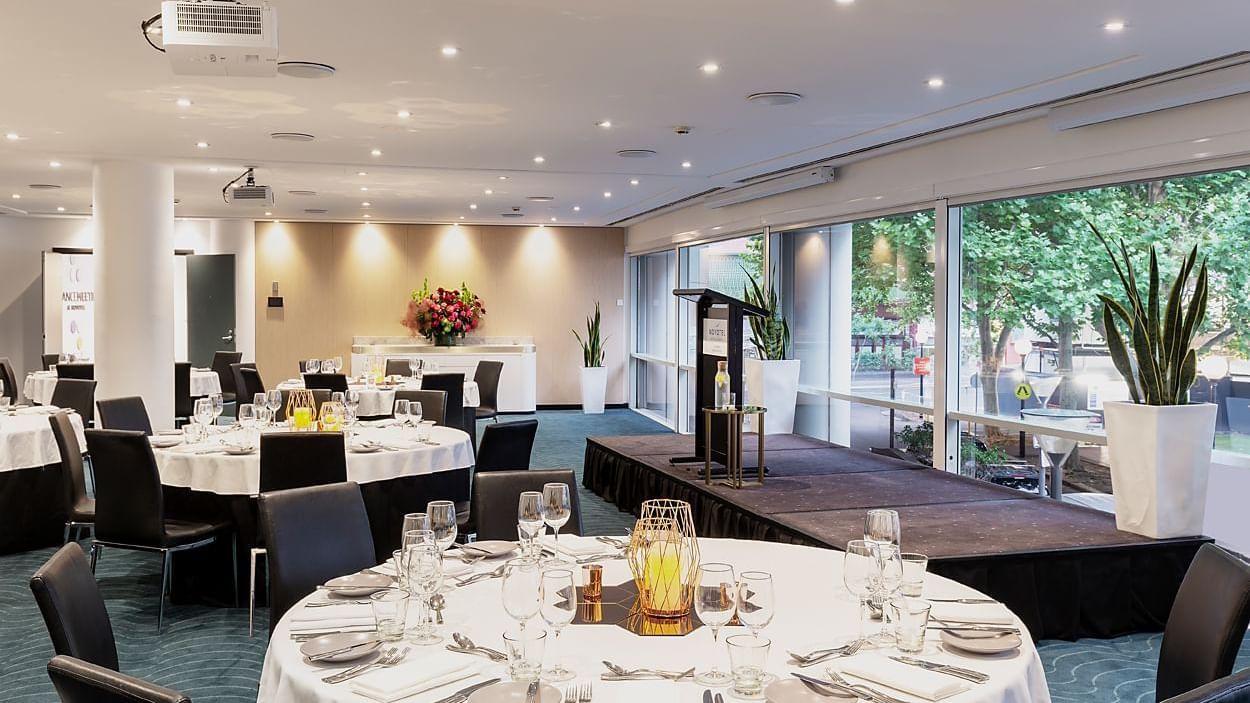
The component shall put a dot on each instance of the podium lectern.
(720, 338)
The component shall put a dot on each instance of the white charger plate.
(981, 642)
(343, 640)
(356, 585)
(491, 548)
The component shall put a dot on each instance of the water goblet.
(881, 526)
(521, 589)
(219, 405)
(556, 506)
(401, 412)
(442, 517)
(859, 575)
(756, 604)
(273, 401)
(714, 603)
(530, 524)
(425, 578)
(559, 605)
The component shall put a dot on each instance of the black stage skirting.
(1065, 570)
(32, 510)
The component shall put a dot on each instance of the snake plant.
(592, 345)
(1163, 363)
(770, 334)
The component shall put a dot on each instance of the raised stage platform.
(1065, 570)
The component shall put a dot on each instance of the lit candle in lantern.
(302, 418)
(662, 576)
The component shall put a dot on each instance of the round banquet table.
(32, 513)
(812, 608)
(375, 401)
(39, 385)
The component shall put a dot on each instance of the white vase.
(594, 389)
(774, 385)
(1160, 460)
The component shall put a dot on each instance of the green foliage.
(892, 267)
(752, 260)
(769, 334)
(873, 326)
(592, 343)
(1164, 362)
(918, 439)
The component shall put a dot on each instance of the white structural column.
(134, 279)
(840, 331)
(238, 237)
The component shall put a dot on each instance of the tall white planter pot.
(774, 385)
(1160, 460)
(594, 389)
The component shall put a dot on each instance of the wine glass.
(203, 413)
(425, 578)
(559, 605)
(756, 604)
(338, 397)
(556, 506)
(401, 412)
(442, 517)
(312, 366)
(246, 415)
(219, 406)
(352, 399)
(415, 521)
(714, 603)
(889, 579)
(273, 401)
(522, 589)
(259, 400)
(415, 412)
(859, 575)
(881, 527)
(413, 365)
(529, 521)
(338, 364)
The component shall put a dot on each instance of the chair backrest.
(8, 378)
(495, 497)
(73, 475)
(299, 459)
(453, 385)
(398, 367)
(221, 366)
(433, 404)
(1230, 689)
(128, 413)
(49, 360)
(250, 381)
(76, 394)
(311, 536)
(129, 503)
(73, 609)
(78, 681)
(486, 376)
(326, 381)
(83, 371)
(1207, 623)
(183, 405)
(506, 446)
(241, 383)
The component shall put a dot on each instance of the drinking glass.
(522, 589)
(756, 604)
(425, 578)
(415, 521)
(264, 416)
(390, 613)
(338, 397)
(246, 416)
(747, 656)
(273, 401)
(559, 605)
(881, 527)
(556, 506)
(414, 412)
(401, 569)
(889, 580)
(859, 575)
(914, 567)
(203, 413)
(714, 603)
(260, 400)
(338, 364)
(219, 405)
(401, 412)
(413, 365)
(412, 538)
(312, 366)
(529, 522)
(911, 619)
(525, 654)
(442, 516)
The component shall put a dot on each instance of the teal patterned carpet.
(206, 653)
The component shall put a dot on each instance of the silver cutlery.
(620, 673)
(612, 541)
(314, 634)
(584, 692)
(964, 601)
(437, 603)
(531, 693)
(707, 695)
(326, 603)
(986, 629)
(475, 652)
(380, 664)
(983, 634)
(466, 580)
(341, 650)
(359, 667)
(825, 688)
(720, 698)
(868, 692)
(821, 655)
(598, 557)
(463, 694)
(956, 671)
(466, 643)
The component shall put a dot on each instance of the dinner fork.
(583, 693)
(821, 655)
(868, 692)
(380, 664)
(359, 667)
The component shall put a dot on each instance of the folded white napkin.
(414, 675)
(574, 546)
(333, 617)
(989, 613)
(929, 685)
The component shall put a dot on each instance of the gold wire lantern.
(301, 410)
(331, 418)
(663, 556)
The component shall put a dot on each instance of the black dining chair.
(221, 366)
(78, 370)
(128, 413)
(398, 367)
(312, 535)
(1207, 623)
(78, 681)
(8, 379)
(130, 507)
(241, 395)
(326, 381)
(79, 507)
(433, 404)
(1230, 689)
(495, 494)
(453, 385)
(77, 395)
(49, 360)
(247, 381)
(506, 446)
(486, 376)
(73, 609)
(184, 404)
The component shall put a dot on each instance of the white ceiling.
(534, 76)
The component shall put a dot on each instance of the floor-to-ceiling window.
(653, 357)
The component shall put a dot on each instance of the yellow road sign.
(1024, 391)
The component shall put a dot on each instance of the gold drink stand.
(734, 418)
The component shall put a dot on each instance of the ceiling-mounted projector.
(220, 38)
(247, 194)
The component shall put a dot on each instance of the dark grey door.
(210, 306)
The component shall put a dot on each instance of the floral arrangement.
(443, 315)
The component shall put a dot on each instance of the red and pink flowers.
(442, 316)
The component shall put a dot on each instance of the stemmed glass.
(425, 578)
(203, 414)
(556, 510)
(756, 604)
(312, 366)
(273, 401)
(714, 603)
(338, 364)
(219, 406)
(882, 527)
(888, 582)
(416, 521)
(522, 589)
(442, 517)
(529, 521)
(352, 398)
(401, 412)
(559, 605)
(413, 365)
(859, 575)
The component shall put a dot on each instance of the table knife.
(826, 688)
(958, 672)
(341, 650)
(707, 695)
(720, 698)
(464, 693)
(531, 693)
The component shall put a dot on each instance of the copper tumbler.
(592, 581)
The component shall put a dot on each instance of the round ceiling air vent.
(776, 97)
(44, 186)
(292, 136)
(305, 69)
(540, 198)
(636, 153)
(305, 193)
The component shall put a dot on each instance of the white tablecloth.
(240, 475)
(381, 401)
(813, 607)
(26, 440)
(40, 384)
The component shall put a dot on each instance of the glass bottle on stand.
(722, 385)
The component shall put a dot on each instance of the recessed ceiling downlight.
(292, 136)
(44, 186)
(636, 153)
(305, 69)
(774, 97)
